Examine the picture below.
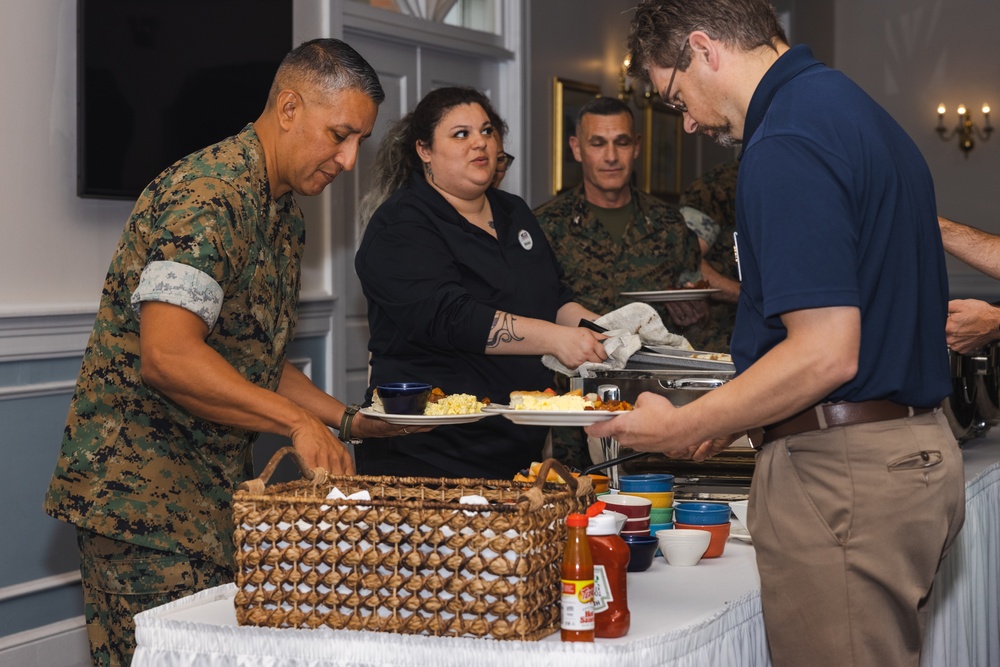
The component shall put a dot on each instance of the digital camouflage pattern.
(657, 252)
(714, 194)
(135, 466)
(122, 579)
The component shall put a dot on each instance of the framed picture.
(567, 99)
(660, 160)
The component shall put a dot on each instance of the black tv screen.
(160, 79)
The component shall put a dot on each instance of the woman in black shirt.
(463, 290)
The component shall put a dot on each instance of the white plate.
(552, 417)
(424, 420)
(671, 295)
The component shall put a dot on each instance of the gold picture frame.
(660, 164)
(567, 99)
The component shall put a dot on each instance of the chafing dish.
(726, 476)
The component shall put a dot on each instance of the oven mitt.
(629, 328)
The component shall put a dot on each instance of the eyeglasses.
(504, 160)
(679, 107)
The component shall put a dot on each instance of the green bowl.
(661, 515)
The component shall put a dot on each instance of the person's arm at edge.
(978, 249)
(819, 354)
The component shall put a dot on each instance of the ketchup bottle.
(611, 555)
(577, 583)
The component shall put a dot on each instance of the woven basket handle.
(256, 486)
(581, 486)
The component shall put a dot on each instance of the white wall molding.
(63, 643)
(39, 585)
(34, 336)
(44, 336)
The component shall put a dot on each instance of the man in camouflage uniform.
(714, 195)
(167, 406)
(611, 238)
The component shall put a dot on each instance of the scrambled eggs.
(455, 404)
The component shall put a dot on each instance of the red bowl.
(633, 507)
(637, 524)
(720, 533)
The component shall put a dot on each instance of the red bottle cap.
(577, 520)
(596, 508)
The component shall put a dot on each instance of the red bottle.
(610, 554)
(577, 583)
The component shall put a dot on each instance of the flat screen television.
(158, 79)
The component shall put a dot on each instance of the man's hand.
(686, 313)
(971, 325)
(642, 428)
(573, 346)
(319, 448)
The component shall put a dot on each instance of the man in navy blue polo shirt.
(839, 340)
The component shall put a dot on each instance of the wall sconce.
(966, 131)
(641, 99)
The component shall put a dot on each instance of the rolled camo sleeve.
(180, 285)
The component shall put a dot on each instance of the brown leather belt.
(827, 415)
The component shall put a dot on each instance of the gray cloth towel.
(629, 328)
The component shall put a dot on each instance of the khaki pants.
(121, 579)
(850, 525)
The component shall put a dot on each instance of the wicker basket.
(411, 560)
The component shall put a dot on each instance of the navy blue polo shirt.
(434, 282)
(835, 207)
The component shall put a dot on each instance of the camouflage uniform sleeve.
(180, 285)
(702, 225)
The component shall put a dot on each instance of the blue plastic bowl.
(642, 550)
(404, 398)
(702, 514)
(647, 483)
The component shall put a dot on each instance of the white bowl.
(740, 510)
(683, 546)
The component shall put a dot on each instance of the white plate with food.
(552, 417)
(425, 420)
(671, 295)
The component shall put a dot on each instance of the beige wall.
(911, 55)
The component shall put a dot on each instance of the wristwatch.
(345, 425)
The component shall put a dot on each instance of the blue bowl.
(646, 483)
(702, 514)
(653, 527)
(404, 398)
(642, 550)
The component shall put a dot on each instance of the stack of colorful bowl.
(658, 489)
(712, 517)
(633, 507)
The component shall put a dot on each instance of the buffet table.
(704, 615)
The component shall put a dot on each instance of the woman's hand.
(573, 346)
(372, 427)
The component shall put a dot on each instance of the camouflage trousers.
(121, 579)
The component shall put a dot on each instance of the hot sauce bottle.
(611, 555)
(577, 583)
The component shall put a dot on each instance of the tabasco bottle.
(611, 555)
(577, 583)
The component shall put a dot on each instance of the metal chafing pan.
(726, 476)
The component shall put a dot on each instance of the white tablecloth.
(703, 615)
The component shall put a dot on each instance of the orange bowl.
(719, 532)
(600, 482)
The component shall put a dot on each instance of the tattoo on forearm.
(502, 330)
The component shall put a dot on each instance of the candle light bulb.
(961, 109)
(986, 109)
(941, 109)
